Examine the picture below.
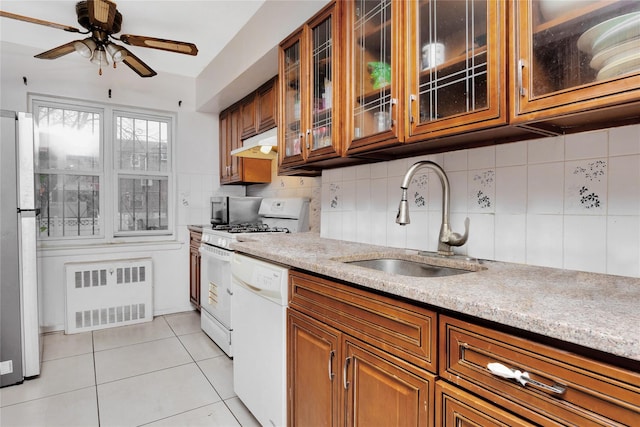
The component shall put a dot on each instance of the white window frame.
(127, 173)
(108, 176)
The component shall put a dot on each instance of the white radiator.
(105, 294)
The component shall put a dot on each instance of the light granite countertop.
(597, 311)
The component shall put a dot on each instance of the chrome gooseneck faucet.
(447, 238)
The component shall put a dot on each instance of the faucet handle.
(455, 239)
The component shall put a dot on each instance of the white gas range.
(276, 215)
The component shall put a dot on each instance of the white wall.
(569, 202)
(196, 164)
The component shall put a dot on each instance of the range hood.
(262, 146)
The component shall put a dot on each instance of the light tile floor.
(162, 373)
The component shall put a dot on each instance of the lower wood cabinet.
(335, 378)
(565, 388)
(194, 267)
(383, 390)
(457, 408)
(312, 376)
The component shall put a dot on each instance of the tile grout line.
(95, 377)
(207, 378)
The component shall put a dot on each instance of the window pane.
(69, 205)
(142, 144)
(68, 139)
(143, 204)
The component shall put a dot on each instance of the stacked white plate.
(614, 46)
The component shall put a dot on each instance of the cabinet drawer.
(402, 329)
(595, 393)
(457, 408)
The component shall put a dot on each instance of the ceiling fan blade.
(57, 52)
(138, 66)
(162, 44)
(102, 14)
(38, 21)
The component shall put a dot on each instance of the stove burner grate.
(251, 228)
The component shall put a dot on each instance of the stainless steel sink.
(408, 268)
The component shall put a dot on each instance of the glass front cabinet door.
(455, 75)
(373, 48)
(575, 55)
(424, 69)
(309, 91)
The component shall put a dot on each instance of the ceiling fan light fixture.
(100, 58)
(85, 47)
(118, 53)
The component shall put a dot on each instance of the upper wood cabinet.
(249, 119)
(267, 105)
(235, 170)
(426, 76)
(575, 57)
(260, 109)
(310, 91)
(424, 69)
(229, 140)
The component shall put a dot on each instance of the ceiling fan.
(102, 20)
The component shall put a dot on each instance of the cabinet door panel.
(267, 105)
(323, 140)
(313, 372)
(455, 67)
(291, 93)
(374, 45)
(248, 116)
(575, 56)
(383, 390)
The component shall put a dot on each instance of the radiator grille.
(104, 294)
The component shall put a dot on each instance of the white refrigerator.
(19, 325)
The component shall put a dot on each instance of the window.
(69, 171)
(143, 179)
(95, 162)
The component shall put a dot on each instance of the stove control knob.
(205, 238)
(221, 242)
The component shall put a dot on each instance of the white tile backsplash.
(511, 190)
(624, 140)
(624, 185)
(545, 188)
(567, 202)
(513, 154)
(483, 158)
(586, 145)
(544, 240)
(586, 187)
(509, 244)
(545, 150)
(455, 161)
(623, 251)
(585, 243)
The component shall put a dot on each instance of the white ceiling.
(210, 24)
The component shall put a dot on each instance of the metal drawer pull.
(344, 373)
(522, 377)
(331, 374)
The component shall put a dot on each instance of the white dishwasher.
(258, 310)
